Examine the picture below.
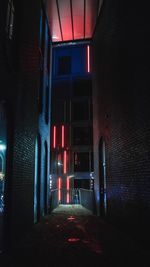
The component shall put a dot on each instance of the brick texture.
(121, 112)
(19, 88)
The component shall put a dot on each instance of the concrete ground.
(72, 237)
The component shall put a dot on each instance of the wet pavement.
(72, 237)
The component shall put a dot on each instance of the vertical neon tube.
(62, 136)
(88, 59)
(68, 183)
(54, 137)
(65, 162)
(68, 188)
(59, 189)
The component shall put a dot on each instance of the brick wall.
(121, 113)
(19, 88)
(25, 117)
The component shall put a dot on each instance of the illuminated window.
(10, 19)
(64, 65)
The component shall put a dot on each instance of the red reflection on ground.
(71, 218)
(93, 246)
(73, 239)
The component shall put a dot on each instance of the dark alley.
(74, 133)
(71, 236)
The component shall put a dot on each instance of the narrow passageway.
(71, 236)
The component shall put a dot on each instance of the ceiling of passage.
(72, 19)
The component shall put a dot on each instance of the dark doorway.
(102, 176)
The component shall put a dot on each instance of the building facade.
(71, 131)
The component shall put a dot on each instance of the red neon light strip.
(54, 137)
(88, 59)
(68, 183)
(65, 162)
(68, 198)
(63, 136)
(59, 189)
(68, 187)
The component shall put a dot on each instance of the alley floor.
(72, 237)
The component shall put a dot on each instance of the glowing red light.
(88, 59)
(59, 189)
(68, 187)
(63, 136)
(68, 183)
(73, 239)
(71, 218)
(54, 137)
(65, 162)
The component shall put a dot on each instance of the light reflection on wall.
(3, 147)
(2, 174)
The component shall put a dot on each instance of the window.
(81, 162)
(10, 19)
(82, 136)
(82, 88)
(80, 110)
(58, 111)
(61, 89)
(64, 65)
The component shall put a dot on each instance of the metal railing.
(72, 196)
